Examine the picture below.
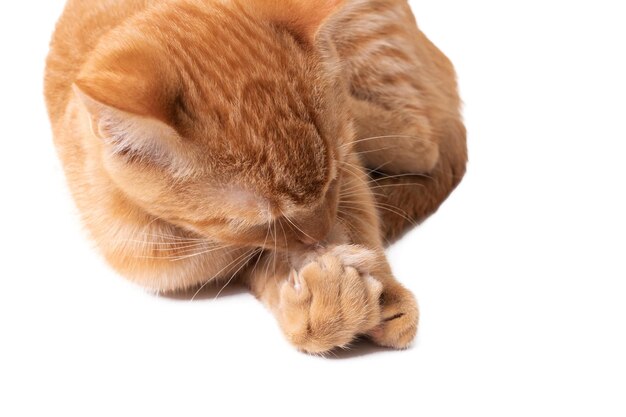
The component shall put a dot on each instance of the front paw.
(399, 319)
(399, 310)
(327, 304)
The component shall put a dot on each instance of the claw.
(294, 280)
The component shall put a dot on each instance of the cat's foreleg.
(321, 300)
(416, 162)
(326, 297)
(360, 213)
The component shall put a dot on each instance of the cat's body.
(217, 140)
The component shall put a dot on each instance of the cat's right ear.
(126, 133)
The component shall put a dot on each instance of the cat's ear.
(131, 97)
(138, 136)
(305, 18)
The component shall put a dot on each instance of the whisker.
(370, 170)
(181, 257)
(358, 175)
(244, 263)
(389, 208)
(358, 167)
(344, 222)
(296, 226)
(261, 252)
(170, 246)
(384, 137)
(362, 194)
(398, 185)
(217, 274)
(373, 150)
(285, 236)
(275, 246)
(172, 238)
(390, 177)
(267, 265)
(362, 188)
(184, 257)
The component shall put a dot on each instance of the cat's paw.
(327, 304)
(399, 319)
(399, 310)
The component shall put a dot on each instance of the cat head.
(224, 118)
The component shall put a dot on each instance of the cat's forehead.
(243, 75)
(248, 73)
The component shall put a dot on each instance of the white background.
(520, 276)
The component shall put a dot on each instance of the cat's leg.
(323, 304)
(325, 298)
(406, 108)
(394, 142)
(413, 172)
(361, 222)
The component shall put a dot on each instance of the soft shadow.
(359, 348)
(211, 291)
(362, 347)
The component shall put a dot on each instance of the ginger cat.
(281, 143)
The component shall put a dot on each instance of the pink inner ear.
(126, 132)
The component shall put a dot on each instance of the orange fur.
(215, 139)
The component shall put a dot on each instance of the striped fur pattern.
(277, 143)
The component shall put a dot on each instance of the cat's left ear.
(305, 18)
(128, 133)
(134, 101)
